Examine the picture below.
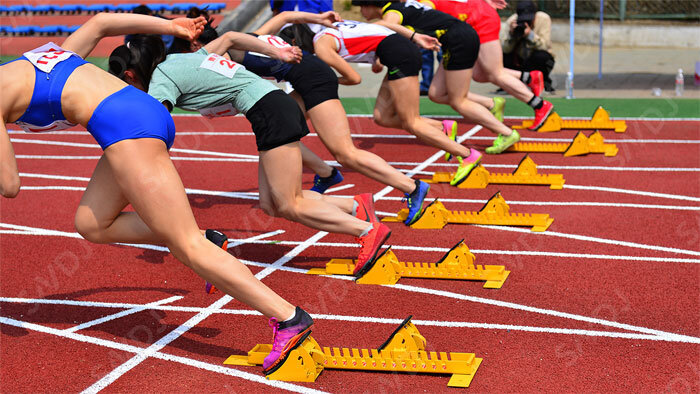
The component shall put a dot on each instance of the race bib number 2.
(47, 56)
(221, 65)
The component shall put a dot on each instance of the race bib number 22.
(220, 65)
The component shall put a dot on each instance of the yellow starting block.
(495, 213)
(599, 121)
(457, 263)
(525, 174)
(404, 351)
(580, 145)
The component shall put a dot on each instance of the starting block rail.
(456, 264)
(496, 212)
(404, 351)
(599, 121)
(525, 174)
(580, 145)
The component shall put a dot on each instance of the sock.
(417, 182)
(536, 102)
(525, 77)
(291, 317)
(355, 205)
(367, 230)
(333, 172)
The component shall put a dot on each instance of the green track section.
(580, 108)
(584, 107)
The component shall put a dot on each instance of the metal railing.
(688, 10)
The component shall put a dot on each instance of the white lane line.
(549, 312)
(257, 378)
(47, 176)
(254, 196)
(363, 319)
(595, 239)
(560, 167)
(607, 140)
(33, 231)
(339, 188)
(212, 153)
(128, 312)
(635, 192)
(55, 143)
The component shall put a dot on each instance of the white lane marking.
(413, 248)
(339, 188)
(128, 312)
(56, 143)
(548, 312)
(607, 140)
(213, 153)
(635, 192)
(362, 319)
(560, 167)
(60, 177)
(161, 356)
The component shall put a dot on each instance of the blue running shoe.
(415, 201)
(322, 184)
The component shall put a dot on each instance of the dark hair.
(300, 35)
(209, 34)
(142, 9)
(142, 54)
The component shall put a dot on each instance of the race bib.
(219, 111)
(54, 126)
(46, 57)
(275, 41)
(221, 65)
(416, 4)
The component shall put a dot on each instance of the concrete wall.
(629, 34)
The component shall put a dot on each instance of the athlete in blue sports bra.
(51, 88)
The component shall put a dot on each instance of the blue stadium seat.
(16, 9)
(50, 30)
(214, 7)
(41, 9)
(160, 8)
(126, 7)
(3, 10)
(3, 30)
(69, 9)
(95, 8)
(182, 8)
(23, 30)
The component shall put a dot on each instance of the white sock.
(293, 315)
(367, 230)
(355, 205)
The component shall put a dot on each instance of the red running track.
(606, 300)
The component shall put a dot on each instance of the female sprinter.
(398, 100)
(215, 86)
(51, 88)
(316, 91)
(460, 45)
(489, 65)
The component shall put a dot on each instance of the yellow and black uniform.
(460, 42)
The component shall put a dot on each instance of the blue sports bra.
(53, 66)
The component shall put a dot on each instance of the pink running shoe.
(286, 336)
(536, 82)
(450, 128)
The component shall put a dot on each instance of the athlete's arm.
(84, 40)
(275, 24)
(497, 4)
(246, 42)
(392, 21)
(325, 49)
(9, 176)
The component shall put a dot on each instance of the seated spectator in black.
(529, 43)
(144, 10)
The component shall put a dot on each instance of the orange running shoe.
(365, 208)
(536, 82)
(542, 114)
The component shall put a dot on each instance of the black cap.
(526, 11)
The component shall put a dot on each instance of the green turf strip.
(583, 107)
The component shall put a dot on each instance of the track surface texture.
(606, 300)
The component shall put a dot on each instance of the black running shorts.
(314, 80)
(401, 56)
(276, 120)
(460, 47)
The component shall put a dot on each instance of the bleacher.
(20, 12)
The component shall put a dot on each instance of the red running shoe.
(536, 82)
(371, 243)
(542, 114)
(365, 208)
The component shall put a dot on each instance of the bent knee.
(87, 226)
(289, 210)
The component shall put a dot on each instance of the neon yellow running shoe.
(503, 142)
(464, 170)
(450, 128)
(499, 105)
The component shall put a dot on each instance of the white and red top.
(356, 42)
